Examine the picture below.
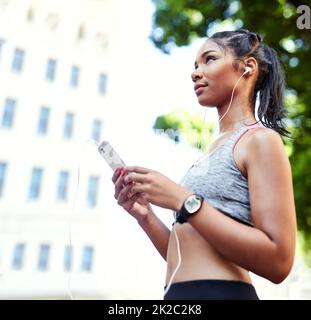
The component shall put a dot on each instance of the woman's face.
(215, 75)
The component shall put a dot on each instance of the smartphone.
(110, 155)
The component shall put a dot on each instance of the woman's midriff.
(199, 260)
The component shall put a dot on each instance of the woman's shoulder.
(264, 143)
(263, 137)
(259, 137)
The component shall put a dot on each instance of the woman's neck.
(239, 114)
(232, 125)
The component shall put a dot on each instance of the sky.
(156, 83)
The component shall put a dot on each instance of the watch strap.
(183, 214)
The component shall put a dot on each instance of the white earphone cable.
(178, 263)
(231, 97)
(72, 211)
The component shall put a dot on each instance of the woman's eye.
(210, 58)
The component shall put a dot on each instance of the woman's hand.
(156, 188)
(134, 204)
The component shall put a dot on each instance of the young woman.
(234, 208)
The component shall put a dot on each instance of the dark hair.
(270, 83)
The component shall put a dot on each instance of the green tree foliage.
(179, 125)
(178, 22)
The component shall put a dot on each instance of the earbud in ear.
(246, 69)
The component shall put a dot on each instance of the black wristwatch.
(191, 205)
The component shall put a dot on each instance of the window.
(68, 256)
(18, 256)
(2, 176)
(18, 59)
(81, 32)
(96, 130)
(8, 113)
(30, 14)
(52, 20)
(50, 70)
(43, 257)
(87, 258)
(68, 127)
(101, 39)
(43, 120)
(92, 191)
(74, 79)
(35, 183)
(62, 185)
(102, 83)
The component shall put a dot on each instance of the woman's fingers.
(124, 195)
(116, 175)
(127, 194)
(119, 183)
(136, 177)
(140, 188)
(129, 186)
(137, 169)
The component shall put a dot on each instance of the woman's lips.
(199, 88)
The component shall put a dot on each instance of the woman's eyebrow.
(203, 54)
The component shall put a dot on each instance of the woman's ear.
(250, 66)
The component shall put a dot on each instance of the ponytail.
(271, 86)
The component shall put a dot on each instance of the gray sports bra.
(217, 178)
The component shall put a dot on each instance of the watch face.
(193, 203)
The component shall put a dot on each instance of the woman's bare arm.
(157, 232)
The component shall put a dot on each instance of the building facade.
(55, 59)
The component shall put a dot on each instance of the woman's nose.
(196, 75)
